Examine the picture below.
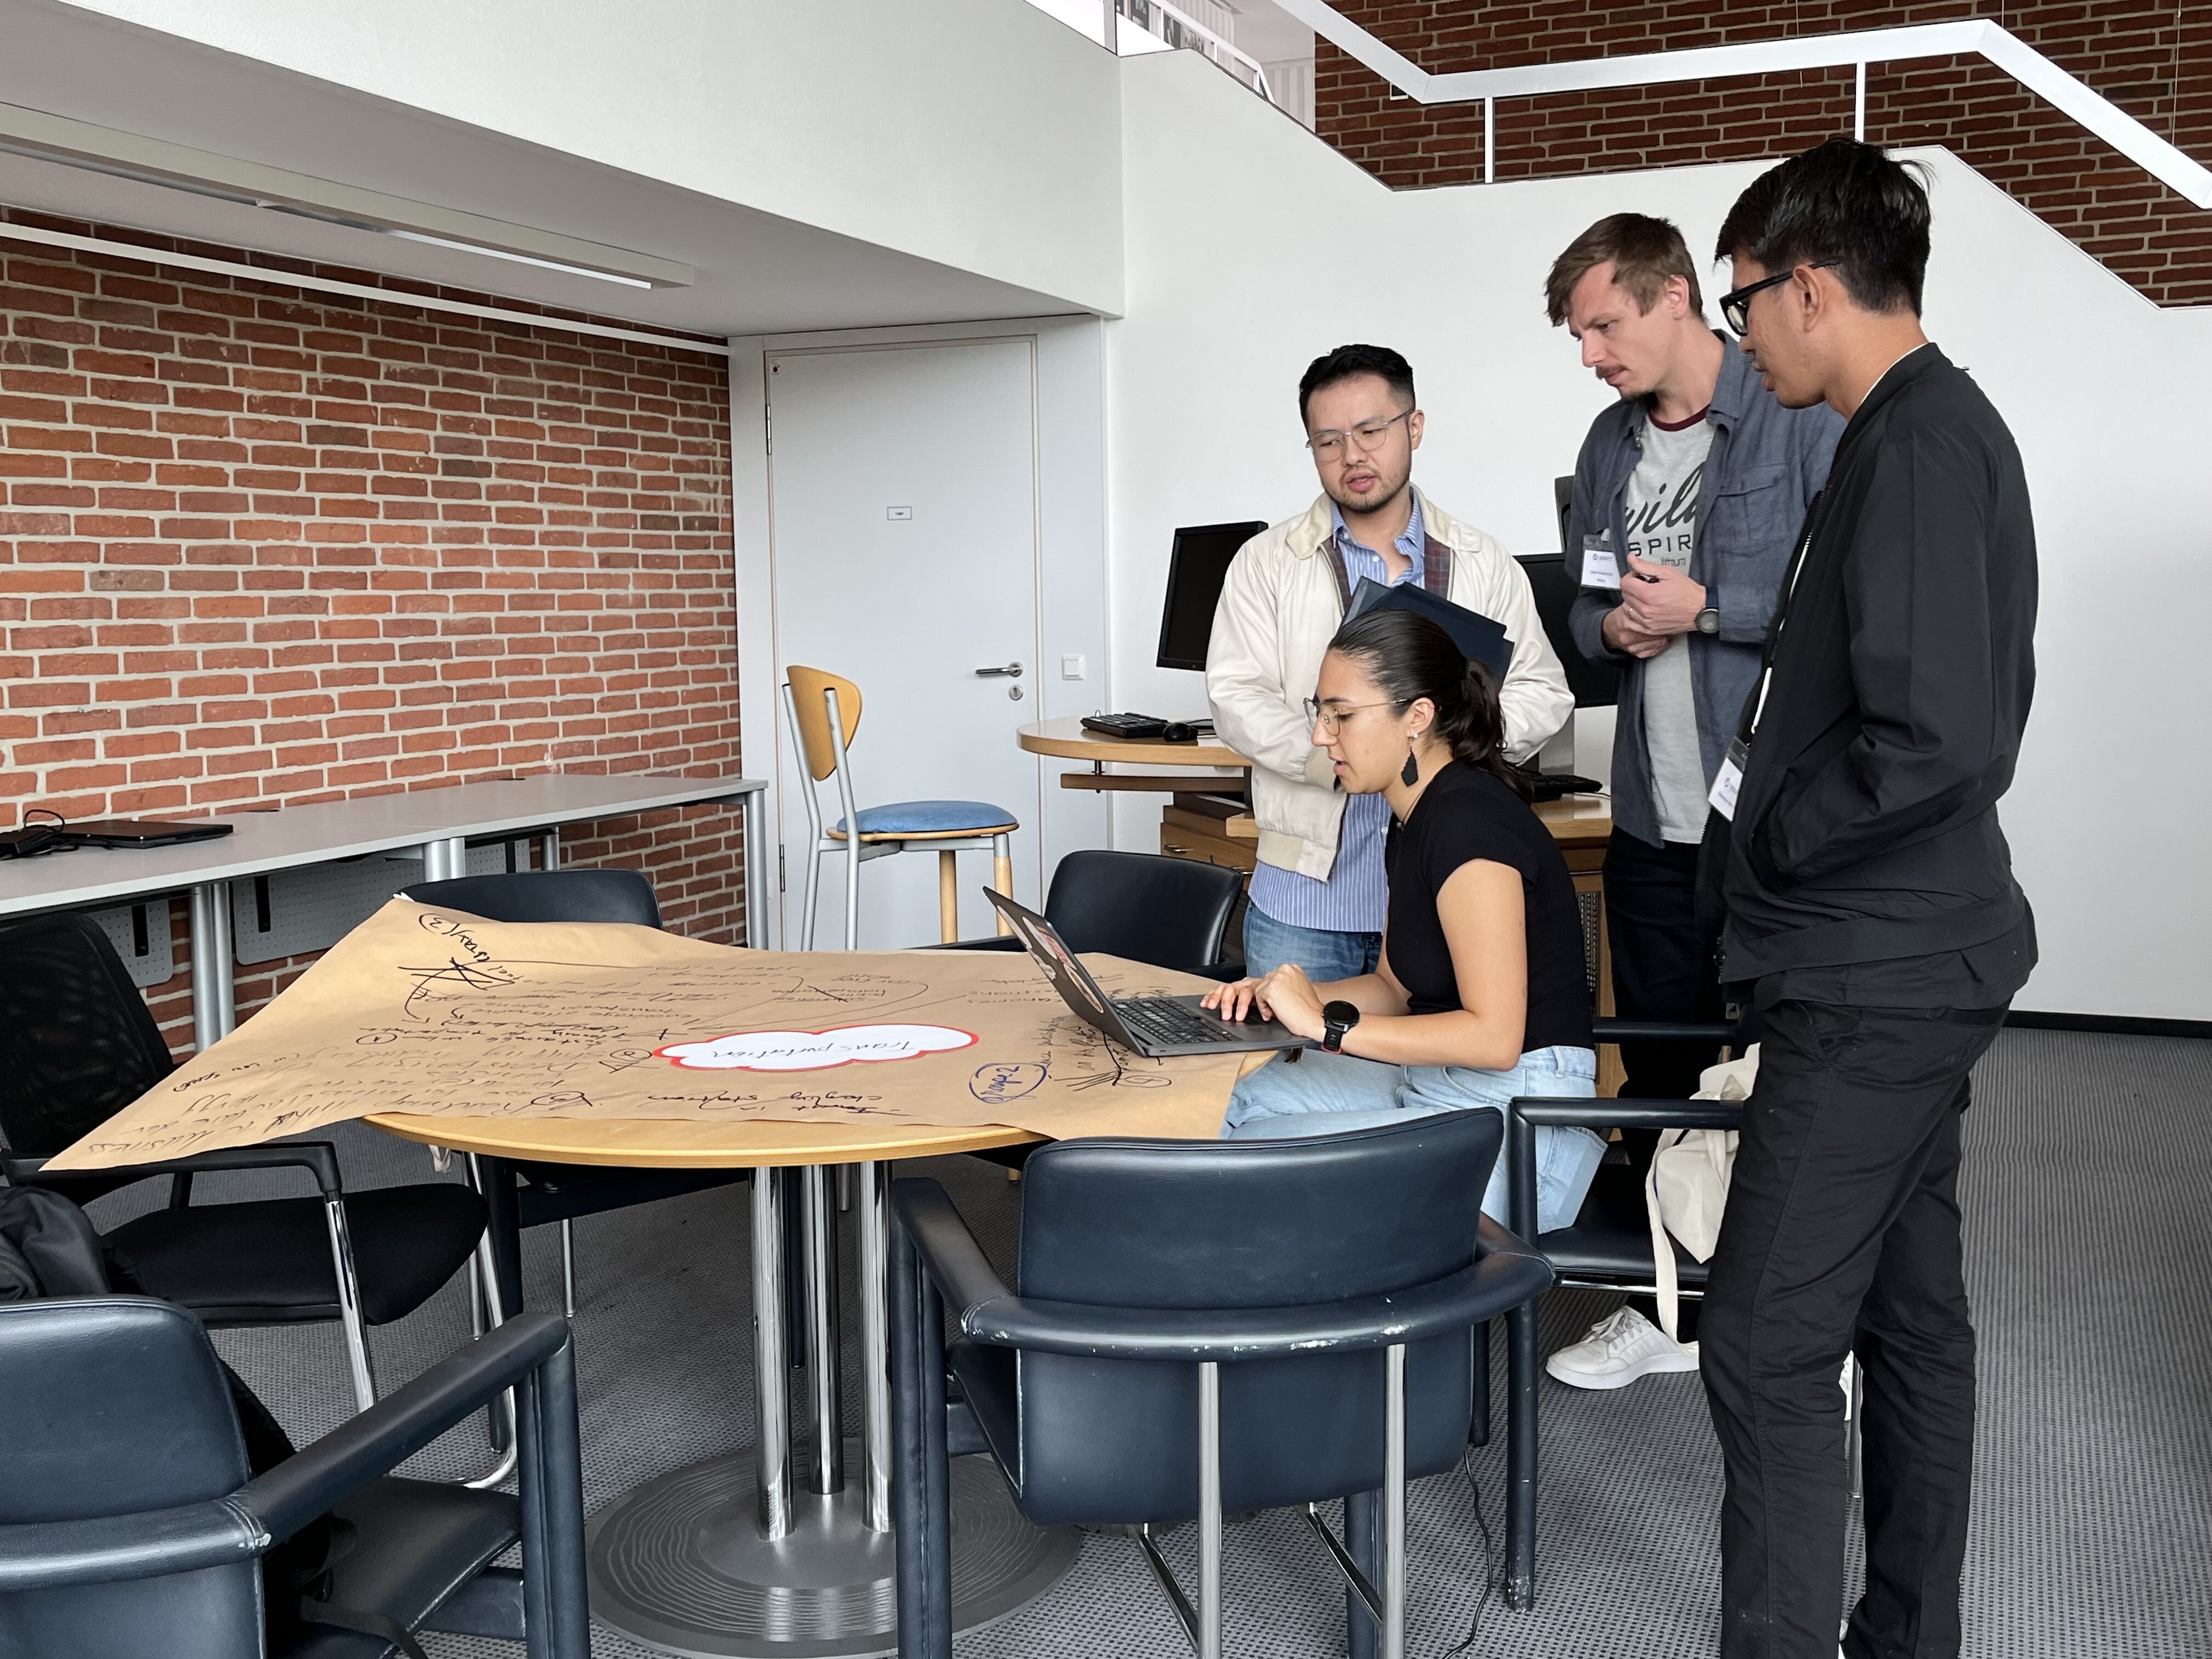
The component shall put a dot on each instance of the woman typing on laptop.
(1481, 993)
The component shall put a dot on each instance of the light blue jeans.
(1324, 1093)
(1325, 955)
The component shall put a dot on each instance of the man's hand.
(1622, 634)
(1286, 996)
(1661, 601)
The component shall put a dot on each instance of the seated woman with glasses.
(1481, 993)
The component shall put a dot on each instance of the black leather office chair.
(1608, 1245)
(1171, 912)
(1202, 1327)
(531, 1194)
(78, 1044)
(131, 1524)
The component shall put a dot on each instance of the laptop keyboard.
(1163, 1020)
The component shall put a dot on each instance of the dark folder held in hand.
(1478, 638)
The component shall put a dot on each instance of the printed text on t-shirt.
(1662, 531)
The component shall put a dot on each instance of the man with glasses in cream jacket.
(1319, 894)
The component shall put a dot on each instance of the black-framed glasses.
(1736, 304)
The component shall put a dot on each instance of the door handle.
(1012, 670)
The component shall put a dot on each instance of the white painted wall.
(1241, 272)
(980, 134)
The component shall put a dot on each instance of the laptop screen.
(1077, 988)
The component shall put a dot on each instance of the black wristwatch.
(1337, 1018)
(1708, 621)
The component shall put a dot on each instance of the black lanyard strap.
(1782, 604)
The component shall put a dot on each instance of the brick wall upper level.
(263, 545)
(2151, 58)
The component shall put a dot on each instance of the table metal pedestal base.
(680, 1565)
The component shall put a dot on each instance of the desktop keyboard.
(1124, 726)
(1555, 786)
(1163, 1019)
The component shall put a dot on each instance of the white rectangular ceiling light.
(39, 136)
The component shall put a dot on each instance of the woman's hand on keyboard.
(1285, 995)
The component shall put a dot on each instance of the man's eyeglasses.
(1330, 719)
(1736, 304)
(1366, 437)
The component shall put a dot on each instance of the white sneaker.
(1618, 1351)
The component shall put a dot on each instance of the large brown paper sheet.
(435, 1012)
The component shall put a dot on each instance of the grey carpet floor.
(2088, 1181)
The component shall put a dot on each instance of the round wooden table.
(761, 1554)
(1066, 739)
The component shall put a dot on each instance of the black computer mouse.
(1179, 732)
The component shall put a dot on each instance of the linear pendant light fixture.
(38, 136)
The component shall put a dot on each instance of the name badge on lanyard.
(1599, 568)
(1728, 782)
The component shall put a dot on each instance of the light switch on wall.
(1071, 668)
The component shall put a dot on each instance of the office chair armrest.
(995, 942)
(1554, 1112)
(363, 1448)
(113, 1548)
(948, 1252)
(319, 1157)
(1494, 1284)
(1506, 1273)
(1526, 1115)
(1609, 1029)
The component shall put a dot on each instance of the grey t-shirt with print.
(1663, 526)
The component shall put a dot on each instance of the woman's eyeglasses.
(1330, 719)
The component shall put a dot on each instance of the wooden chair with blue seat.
(824, 712)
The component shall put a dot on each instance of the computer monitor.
(1595, 685)
(1196, 569)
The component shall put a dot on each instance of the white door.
(902, 485)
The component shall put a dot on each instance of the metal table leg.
(736, 1556)
(755, 844)
(215, 1008)
(443, 860)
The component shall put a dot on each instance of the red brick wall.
(2152, 57)
(260, 544)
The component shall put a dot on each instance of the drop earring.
(1411, 775)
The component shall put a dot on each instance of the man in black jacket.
(1872, 917)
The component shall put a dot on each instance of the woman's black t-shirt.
(1467, 814)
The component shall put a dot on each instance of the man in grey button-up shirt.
(1718, 476)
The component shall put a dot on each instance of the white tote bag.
(1687, 1190)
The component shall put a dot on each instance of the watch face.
(1708, 622)
(1346, 1014)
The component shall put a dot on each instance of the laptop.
(143, 832)
(1155, 1027)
